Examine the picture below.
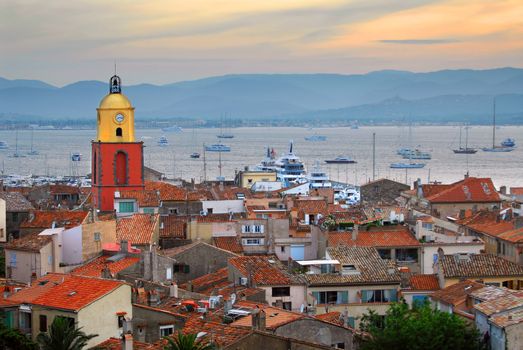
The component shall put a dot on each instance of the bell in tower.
(115, 85)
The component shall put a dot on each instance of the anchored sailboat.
(495, 148)
(466, 149)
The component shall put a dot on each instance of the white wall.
(428, 251)
(3, 233)
(224, 206)
(297, 296)
(72, 245)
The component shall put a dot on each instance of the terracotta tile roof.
(173, 252)
(216, 218)
(208, 280)
(137, 229)
(312, 206)
(508, 319)
(370, 268)
(230, 193)
(15, 202)
(31, 242)
(62, 218)
(168, 192)
(38, 288)
(331, 317)
(424, 282)
(518, 191)
(63, 189)
(231, 244)
(265, 270)
(145, 198)
(67, 292)
(457, 293)
(95, 267)
(386, 238)
(471, 189)
(493, 292)
(116, 344)
(274, 316)
(221, 334)
(173, 226)
(494, 306)
(478, 266)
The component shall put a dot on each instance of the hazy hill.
(380, 96)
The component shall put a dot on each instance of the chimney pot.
(127, 341)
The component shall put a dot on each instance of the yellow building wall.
(51, 314)
(200, 231)
(250, 178)
(90, 247)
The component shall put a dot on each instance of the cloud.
(419, 41)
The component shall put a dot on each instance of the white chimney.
(127, 341)
(173, 290)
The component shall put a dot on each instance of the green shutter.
(186, 268)
(316, 296)
(352, 322)
(391, 295)
(126, 207)
(343, 298)
(363, 296)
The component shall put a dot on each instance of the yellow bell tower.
(115, 115)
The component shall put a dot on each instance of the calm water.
(248, 148)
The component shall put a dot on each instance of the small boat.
(466, 149)
(33, 151)
(4, 145)
(225, 136)
(173, 128)
(407, 165)
(495, 148)
(195, 155)
(508, 142)
(417, 154)
(162, 142)
(76, 157)
(340, 160)
(218, 147)
(316, 138)
(17, 154)
(317, 178)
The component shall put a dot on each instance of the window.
(258, 228)
(166, 330)
(282, 249)
(173, 211)
(246, 228)
(384, 253)
(49, 260)
(118, 132)
(120, 171)
(148, 210)
(12, 259)
(287, 305)
(338, 346)
(126, 207)
(379, 296)
(69, 320)
(407, 255)
(281, 291)
(121, 320)
(331, 297)
(419, 300)
(252, 241)
(97, 236)
(209, 210)
(181, 268)
(43, 323)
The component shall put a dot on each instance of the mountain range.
(382, 96)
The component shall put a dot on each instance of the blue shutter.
(391, 295)
(342, 298)
(352, 322)
(363, 296)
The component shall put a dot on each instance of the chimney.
(127, 340)
(124, 246)
(173, 290)
(189, 286)
(462, 214)
(355, 231)
(106, 273)
(127, 325)
(6, 292)
(503, 190)
(419, 189)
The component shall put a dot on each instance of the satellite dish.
(233, 298)
(302, 308)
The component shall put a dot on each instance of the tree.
(63, 336)
(186, 342)
(421, 327)
(13, 339)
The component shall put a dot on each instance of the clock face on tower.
(119, 118)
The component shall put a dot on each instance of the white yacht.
(317, 178)
(289, 168)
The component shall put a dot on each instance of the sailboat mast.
(494, 125)
(466, 138)
(460, 127)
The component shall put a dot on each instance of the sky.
(163, 41)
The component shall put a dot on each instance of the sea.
(248, 148)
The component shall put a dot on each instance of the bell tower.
(117, 159)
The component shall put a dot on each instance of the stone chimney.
(106, 273)
(127, 341)
(124, 246)
(173, 290)
(258, 320)
(419, 188)
(503, 190)
(355, 232)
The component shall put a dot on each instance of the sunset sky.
(62, 41)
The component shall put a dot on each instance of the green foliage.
(63, 335)
(12, 339)
(186, 342)
(419, 328)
